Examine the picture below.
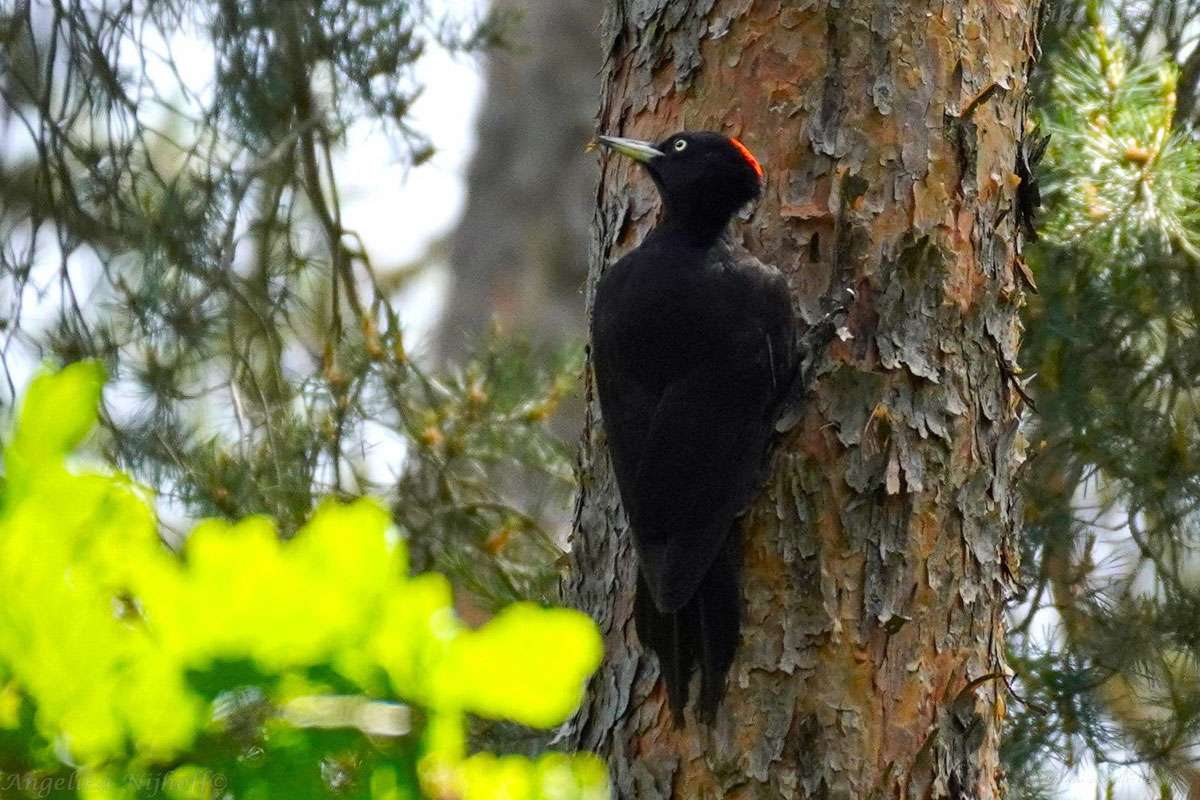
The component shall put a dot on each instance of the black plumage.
(694, 348)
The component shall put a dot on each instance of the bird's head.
(704, 177)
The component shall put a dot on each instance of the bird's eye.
(680, 145)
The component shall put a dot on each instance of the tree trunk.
(878, 558)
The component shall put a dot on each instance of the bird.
(694, 349)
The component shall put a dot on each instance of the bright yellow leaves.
(103, 629)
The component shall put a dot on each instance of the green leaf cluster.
(248, 666)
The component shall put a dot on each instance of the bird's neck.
(698, 225)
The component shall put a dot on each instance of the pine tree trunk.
(879, 556)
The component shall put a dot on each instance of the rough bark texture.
(518, 255)
(878, 558)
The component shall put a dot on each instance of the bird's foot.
(811, 346)
(838, 304)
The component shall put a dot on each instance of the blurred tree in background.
(519, 254)
(1106, 636)
(187, 231)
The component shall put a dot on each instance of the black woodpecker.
(694, 346)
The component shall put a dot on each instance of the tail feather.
(668, 635)
(720, 620)
(705, 631)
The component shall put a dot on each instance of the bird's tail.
(705, 631)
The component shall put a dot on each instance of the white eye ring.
(680, 145)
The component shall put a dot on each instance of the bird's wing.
(628, 412)
(773, 299)
(626, 407)
(699, 468)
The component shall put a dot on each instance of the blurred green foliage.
(246, 666)
(1103, 637)
(185, 227)
(1123, 177)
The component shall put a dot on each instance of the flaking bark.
(879, 555)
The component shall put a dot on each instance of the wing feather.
(699, 468)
